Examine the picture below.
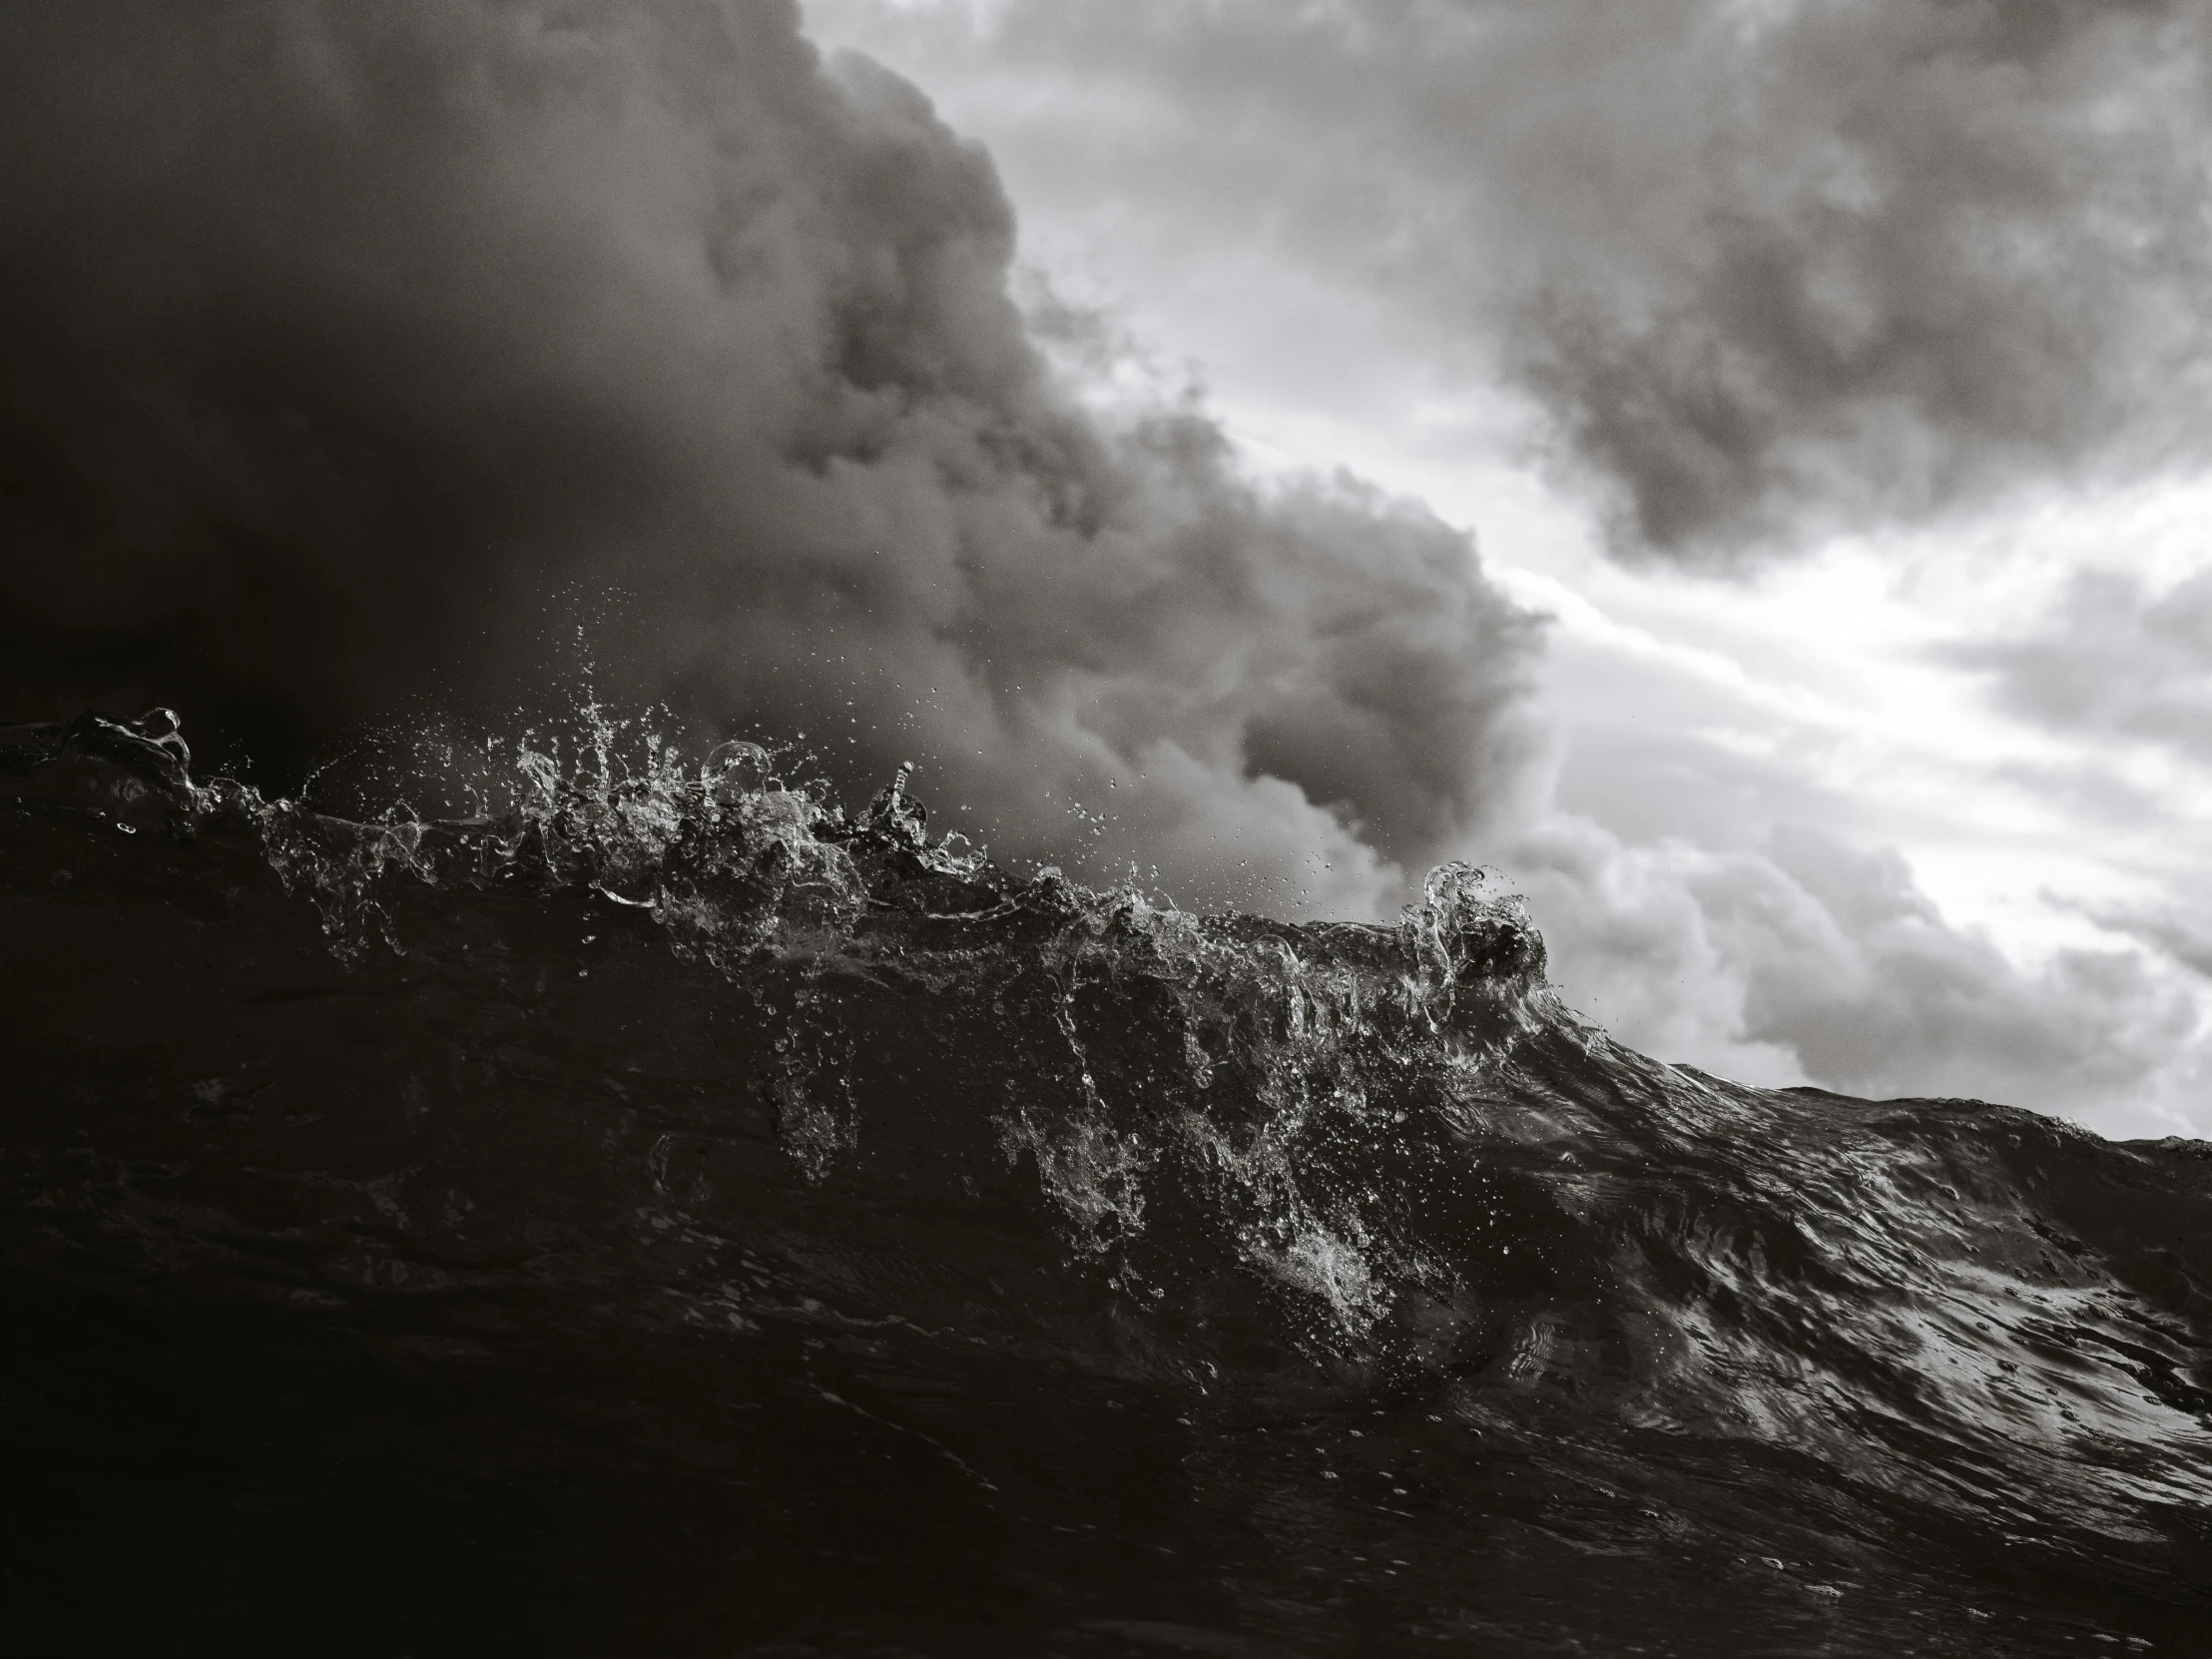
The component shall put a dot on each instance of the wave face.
(676, 1216)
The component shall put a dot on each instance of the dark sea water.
(674, 1217)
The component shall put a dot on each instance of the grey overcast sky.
(1739, 466)
(1833, 377)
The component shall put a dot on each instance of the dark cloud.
(344, 342)
(2112, 657)
(1768, 265)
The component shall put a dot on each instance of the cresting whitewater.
(674, 1216)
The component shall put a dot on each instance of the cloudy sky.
(1735, 465)
(1832, 377)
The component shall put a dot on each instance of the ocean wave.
(678, 1045)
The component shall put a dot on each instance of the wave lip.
(683, 1047)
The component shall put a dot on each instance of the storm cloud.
(1767, 267)
(354, 351)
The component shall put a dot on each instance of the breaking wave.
(1341, 1275)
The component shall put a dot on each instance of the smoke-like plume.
(343, 340)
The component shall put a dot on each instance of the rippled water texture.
(676, 1217)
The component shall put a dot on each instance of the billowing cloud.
(1768, 268)
(1811, 960)
(354, 351)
